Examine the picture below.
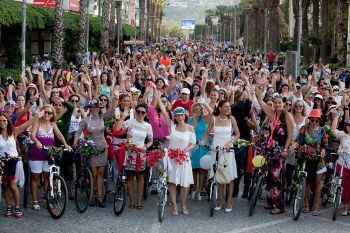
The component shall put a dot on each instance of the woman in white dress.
(183, 137)
(224, 125)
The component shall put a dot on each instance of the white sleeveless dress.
(181, 174)
(222, 136)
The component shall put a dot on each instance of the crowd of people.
(177, 94)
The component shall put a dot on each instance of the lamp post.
(299, 39)
(87, 27)
(24, 22)
(348, 38)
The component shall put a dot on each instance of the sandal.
(19, 212)
(36, 205)
(140, 207)
(344, 213)
(100, 202)
(131, 206)
(316, 212)
(185, 211)
(306, 210)
(276, 211)
(8, 212)
(174, 213)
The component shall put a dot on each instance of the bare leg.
(140, 181)
(34, 185)
(172, 190)
(221, 188)
(184, 192)
(94, 180)
(131, 188)
(100, 174)
(230, 187)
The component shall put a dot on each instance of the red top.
(270, 57)
(186, 106)
(23, 119)
(165, 61)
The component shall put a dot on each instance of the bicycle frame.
(337, 180)
(53, 171)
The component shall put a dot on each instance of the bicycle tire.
(290, 194)
(53, 202)
(26, 184)
(256, 195)
(213, 195)
(161, 204)
(178, 193)
(146, 184)
(325, 194)
(283, 184)
(299, 198)
(83, 189)
(0, 193)
(252, 187)
(120, 197)
(106, 181)
(336, 203)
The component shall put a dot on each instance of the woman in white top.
(344, 160)
(137, 132)
(224, 125)
(182, 136)
(8, 145)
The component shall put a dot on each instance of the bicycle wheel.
(256, 195)
(106, 180)
(254, 181)
(283, 184)
(213, 196)
(299, 198)
(325, 194)
(119, 199)
(161, 204)
(336, 203)
(56, 203)
(146, 184)
(26, 184)
(83, 189)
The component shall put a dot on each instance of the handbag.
(222, 174)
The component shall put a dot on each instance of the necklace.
(221, 118)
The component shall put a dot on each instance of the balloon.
(205, 162)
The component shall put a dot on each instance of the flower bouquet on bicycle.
(155, 159)
(86, 149)
(306, 153)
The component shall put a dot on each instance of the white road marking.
(258, 226)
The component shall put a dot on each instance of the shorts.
(9, 170)
(39, 166)
(321, 170)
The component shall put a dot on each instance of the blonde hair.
(303, 113)
(54, 116)
(197, 105)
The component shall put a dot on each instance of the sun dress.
(181, 174)
(222, 136)
(46, 139)
(198, 152)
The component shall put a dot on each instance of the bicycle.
(3, 159)
(337, 188)
(260, 177)
(57, 193)
(120, 191)
(299, 187)
(212, 185)
(26, 169)
(83, 186)
(326, 191)
(162, 190)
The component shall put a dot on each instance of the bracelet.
(346, 108)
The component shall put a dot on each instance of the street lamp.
(24, 21)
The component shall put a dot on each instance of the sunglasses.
(198, 110)
(103, 99)
(74, 101)
(11, 105)
(3, 121)
(49, 84)
(140, 112)
(299, 106)
(48, 113)
(313, 120)
(288, 104)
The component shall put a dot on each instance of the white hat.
(185, 91)
(319, 96)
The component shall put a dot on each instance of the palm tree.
(305, 32)
(83, 8)
(57, 36)
(315, 29)
(104, 42)
(148, 20)
(119, 22)
(273, 25)
(142, 5)
(112, 27)
(324, 32)
(153, 20)
(341, 37)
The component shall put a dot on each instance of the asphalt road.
(97, 219)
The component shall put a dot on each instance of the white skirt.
(181, 174)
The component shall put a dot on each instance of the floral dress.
(317, 139)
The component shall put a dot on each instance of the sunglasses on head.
(140, 112)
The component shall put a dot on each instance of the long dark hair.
(10, 128)
(220, 104)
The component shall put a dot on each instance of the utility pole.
(299, 39)
(235, 25)
(348, 39)
(88, 27)
(24, 22)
